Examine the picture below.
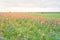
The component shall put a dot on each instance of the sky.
(54, 4)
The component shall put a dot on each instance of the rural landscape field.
(29, 25)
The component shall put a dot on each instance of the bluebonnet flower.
(11, 25)
(57, 38)
(50, 33)
(1, 38)
(57, 33)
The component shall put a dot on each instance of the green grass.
(47, 14)
(28, 29)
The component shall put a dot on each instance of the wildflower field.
(30, 26)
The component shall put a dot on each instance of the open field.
(48, 14)
(29, 26)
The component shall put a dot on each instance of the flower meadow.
(35, 28)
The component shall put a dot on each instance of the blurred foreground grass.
(28, 29)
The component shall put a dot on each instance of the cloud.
(38, 5)
(30, 3)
